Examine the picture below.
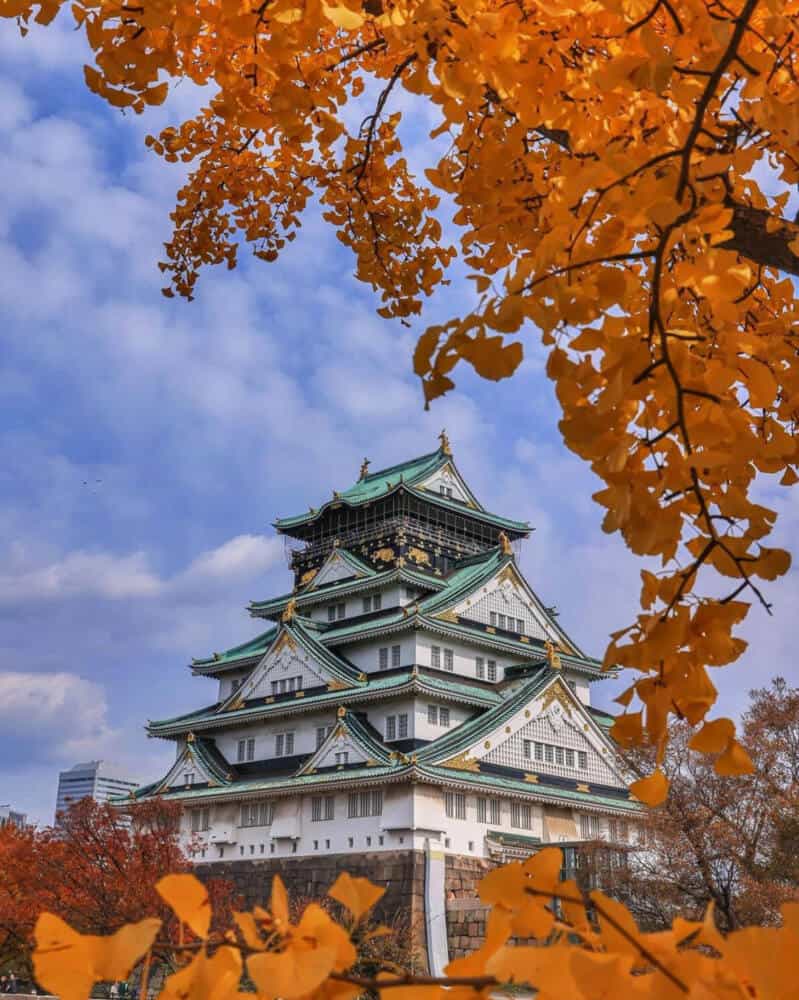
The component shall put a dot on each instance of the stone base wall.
(466, 916)
(309, 878)
(401, 872)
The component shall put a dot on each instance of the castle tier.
(411, 691)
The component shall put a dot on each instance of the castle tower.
(411, 698)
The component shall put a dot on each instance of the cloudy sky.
(147, 444)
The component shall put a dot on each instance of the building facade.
(93, 779)
(11, 817)
(411, 693)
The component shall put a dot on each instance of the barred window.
(432, 715)
(539, 751)
(360, 804)
(521, 815)
(492, 670)
(480, 667)
(585, 830)
(391, 727)
(331, 612)
(200, 819)
(284, 744)
(435, 656)
(559, 755)
(403, 725)
(520, 625)
(493, 618)
(482, 810)
(322, 808)
(241, 750)
(501, 621)
(257, 813)
(343, 757)
(377, 602)
(383, 657)
(455, 805)
(341, 610)
(569, 758)
(495, 810)
(549, 753)
(321, 735)
(367, 605)
(449, 659)
(582, 760)
(396, 656)
(443, 717)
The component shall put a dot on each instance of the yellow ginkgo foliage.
(618, 173)
(576, 946)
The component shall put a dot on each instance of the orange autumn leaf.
(188, 897)
(652, 790)
(713, 737)
(734, 761)
(359, 895)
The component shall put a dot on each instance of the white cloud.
(71, 711)
(82, 574)
(242, 556)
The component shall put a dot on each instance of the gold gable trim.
(532, 778)
(447, 616)
(337, 685)
(463, 762)
(284, 639)
(557, 693)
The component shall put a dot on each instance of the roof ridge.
(379, 473)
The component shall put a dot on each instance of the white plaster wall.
(464, 656)
(226, 683)
(410, 816)
(423, 728)
(365, 655)
(377, 715)
(303, 726)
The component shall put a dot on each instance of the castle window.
(435, 656)
(613, 830)
(341, 610)
(549, 753)
(520, 626)
(432, 715)
(257, 814)
(322, 733)
(391, 727)
(559, 756)
(331, 612)
(396, 655)
(495, 810)
(455, 805)
(367, 605)
(569, 758)
(501, 621)
(383, 657)
(480, 668)
(539, 751)
(528, 746)
(624, 831)
(188, 778)
(482, 810)
(582, 760)
(360, 804)
(343, 757)
(403, 725)
(322, 808)
(443, 717)
(521, 815)
(284, 744)
(377, 602)
(235, 684)
(493, 618)
(200, 819)
(492, 670)
(449, 659)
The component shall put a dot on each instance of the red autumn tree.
(730, 841)
(96, 871)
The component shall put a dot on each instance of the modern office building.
(10, 817)
(94, 779)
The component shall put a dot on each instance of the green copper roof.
(406, 475)
(309, 597)
(377, 685)
(496, 782)
(465, 735)
(253, 647)
(363, 735)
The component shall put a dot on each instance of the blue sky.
(147, 444)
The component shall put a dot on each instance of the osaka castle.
(409, 692)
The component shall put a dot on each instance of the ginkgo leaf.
(734, 761)
(359, 895)
(652, 790)
(279, 901)
(294, 972)
(214, 977)
(68, 963)
(343, 17)
(713, 737)
(188, 897)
